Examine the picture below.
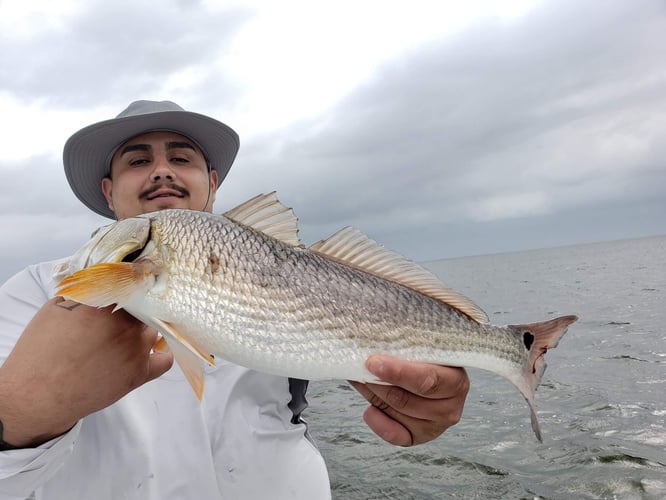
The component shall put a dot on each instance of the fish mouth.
(123, 241)
(132, 256)
(127, 252)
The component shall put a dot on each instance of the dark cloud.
(543, 130)
(110, 52)
(557, 111)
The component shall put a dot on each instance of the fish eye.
(528, 339)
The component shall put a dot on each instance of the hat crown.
(88, 152)
(147, 107)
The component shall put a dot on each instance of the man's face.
(158, 170)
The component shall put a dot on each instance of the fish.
(242, 287)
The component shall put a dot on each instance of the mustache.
(146, 193)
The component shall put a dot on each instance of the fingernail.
(428, 384)
(376, 365)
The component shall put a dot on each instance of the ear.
(213, 187)
(107, 191)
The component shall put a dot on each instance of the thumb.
(158, 364)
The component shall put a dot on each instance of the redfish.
(241, 287)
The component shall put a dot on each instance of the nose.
(161, 169)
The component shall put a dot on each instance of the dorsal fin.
(353, 248)
(265, 213)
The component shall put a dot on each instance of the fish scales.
(269, 292)
(242, 288)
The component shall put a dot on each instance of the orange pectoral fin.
(104, 284)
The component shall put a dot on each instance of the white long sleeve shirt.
(159, 441)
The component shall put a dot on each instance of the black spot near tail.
(528, 339)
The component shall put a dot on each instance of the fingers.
(384, 421)
(414, 420)
(387, 428)
(160, 359)
(427, 380)
(129, 338)
(422, 401)
(72, 360)
(158, 364)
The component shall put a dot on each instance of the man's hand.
(71, 361)
(423, 401)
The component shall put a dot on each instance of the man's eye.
(138, 162)
(180, 159)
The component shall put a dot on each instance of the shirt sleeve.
(24, 470)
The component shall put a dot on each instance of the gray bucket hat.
(87, 154)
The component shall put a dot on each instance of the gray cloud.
(544, 130)
(116, 52)
(36, 185)
(562, 110)
(40, 217)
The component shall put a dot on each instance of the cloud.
(112, 52)
(472, 140)
(503, 121)
(31, 238)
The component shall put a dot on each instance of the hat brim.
(88, 152)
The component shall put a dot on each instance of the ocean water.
(601, 403)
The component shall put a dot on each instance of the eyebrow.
(179, 145)
(146, 147)
(134, 147)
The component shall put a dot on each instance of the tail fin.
(538, 338)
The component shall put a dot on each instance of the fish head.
(124, 240)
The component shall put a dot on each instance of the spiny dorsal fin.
(355, 249)
(265, 213)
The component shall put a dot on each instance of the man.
(77, 416)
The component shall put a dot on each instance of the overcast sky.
(439, 128)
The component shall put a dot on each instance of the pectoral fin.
(104, 284)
